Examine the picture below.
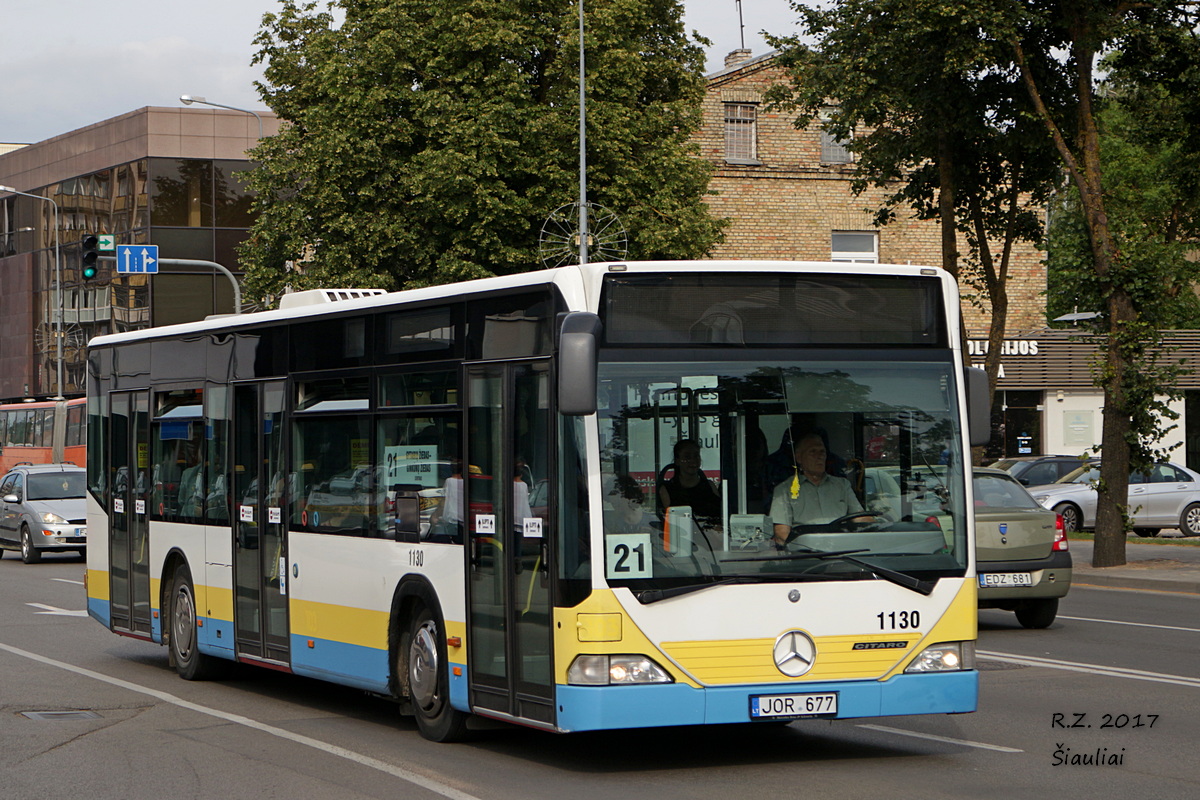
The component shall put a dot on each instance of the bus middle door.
(508, 477)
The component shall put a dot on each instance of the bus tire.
(190, 663)
(29, 553)
(423, 655)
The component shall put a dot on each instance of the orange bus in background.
(42, 432)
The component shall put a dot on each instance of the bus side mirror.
(577, 363)
(979, 407)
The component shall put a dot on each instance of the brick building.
(787, 194)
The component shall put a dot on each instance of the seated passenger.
(689, 487)
(811, 496)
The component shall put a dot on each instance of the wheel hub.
(423, 666)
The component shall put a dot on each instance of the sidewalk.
(1157, 567)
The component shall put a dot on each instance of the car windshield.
(1000, 491)
(700, 460)
(1088, 473)
(56, 486)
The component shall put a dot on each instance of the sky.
(70, 63)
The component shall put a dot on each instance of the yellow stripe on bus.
(335, 623)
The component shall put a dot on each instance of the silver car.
(42, 508)
(1166, 496)
(1021, 554)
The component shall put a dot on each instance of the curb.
(1189, 584)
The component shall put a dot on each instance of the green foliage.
(427, 142)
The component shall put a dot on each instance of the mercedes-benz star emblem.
(794, 653)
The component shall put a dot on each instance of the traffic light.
(91, 252)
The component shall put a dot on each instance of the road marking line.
(947, 739)
(1135, 624)
(67, 580)
(61, 612)
(237, 719)
(1092, 669)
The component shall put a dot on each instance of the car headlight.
(1042, 500)
(944, 657)
(51, 518)
(615, 670)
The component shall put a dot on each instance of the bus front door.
(129, 522)
(259, 544)
(508, 522)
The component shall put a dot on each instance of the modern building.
(161, 176)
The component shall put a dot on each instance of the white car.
(1167, 496)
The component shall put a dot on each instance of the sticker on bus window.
(246, 513)
(118, 505)
(627, 555)
(485, 524)
(139, 506)
(275, 515)
(533, 527)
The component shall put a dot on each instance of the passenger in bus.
(624, 509)
(445, 523)
(690, 487)
(811, 496)
(521, 508)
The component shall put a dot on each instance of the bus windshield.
(789, 470)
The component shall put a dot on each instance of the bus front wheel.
(426, 670)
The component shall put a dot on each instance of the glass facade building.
(192, 207)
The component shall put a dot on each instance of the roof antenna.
(741, 25)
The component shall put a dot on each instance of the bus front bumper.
(582, 708)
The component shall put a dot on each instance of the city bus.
(42, 432)
(455, 497)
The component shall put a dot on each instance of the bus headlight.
(613, 670)
(944, 657)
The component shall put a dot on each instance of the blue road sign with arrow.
(137, 258)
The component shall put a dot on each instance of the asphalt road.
(1117, 675)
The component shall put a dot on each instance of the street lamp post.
(188, 99)
(58, 315)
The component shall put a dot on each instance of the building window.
(741, 133)
(833, 149)
(860, 247)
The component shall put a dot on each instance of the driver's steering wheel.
(832, 525)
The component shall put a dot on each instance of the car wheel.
(1037, 613)
(1147, 533)
(190, 663)
(29, 553)
(423, 651)
(1189, 520)
(1072, 519)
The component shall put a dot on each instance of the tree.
(1051, 39)
(937, 116)
(427, 142)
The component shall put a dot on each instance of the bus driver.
(811, 496)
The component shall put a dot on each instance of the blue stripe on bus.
(99, 610)
(584, 708)
(347, 664)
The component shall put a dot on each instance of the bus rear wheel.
(190, 663)
(424, 653)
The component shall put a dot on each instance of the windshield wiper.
(648, 596)
(898, 578)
